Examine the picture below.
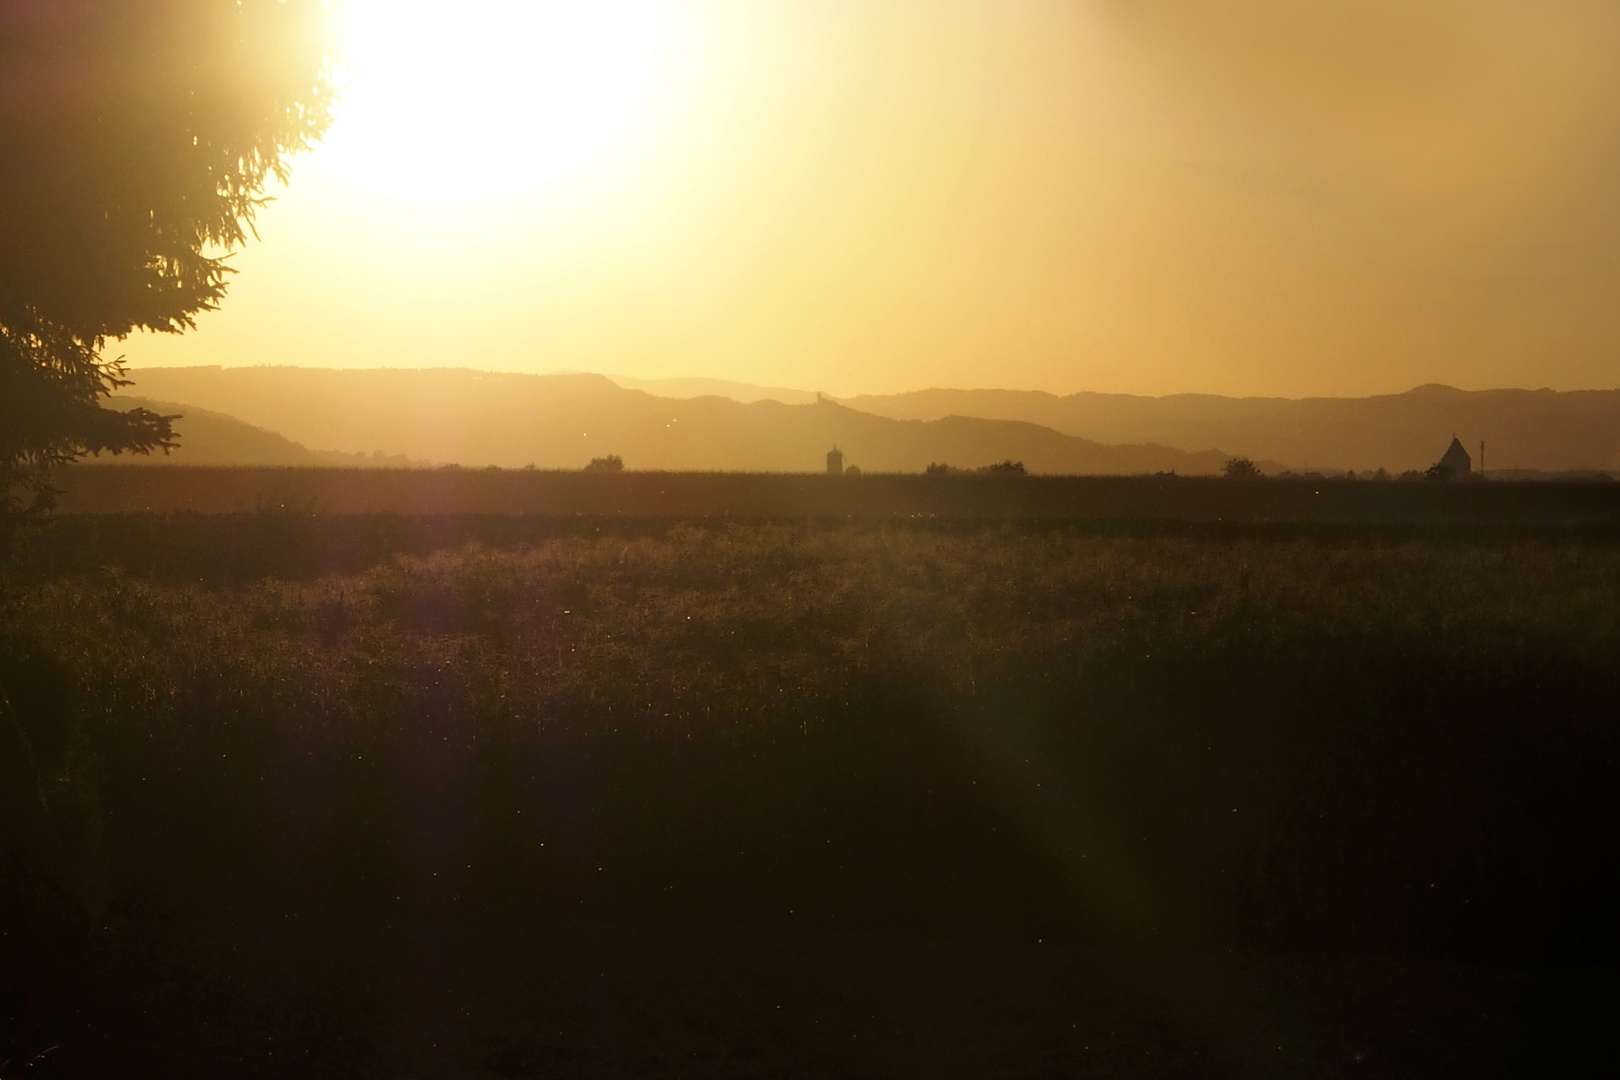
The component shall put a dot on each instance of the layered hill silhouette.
(1538, 430)
(691, 388)
(214, 438)
(314, 416)
(563, 421)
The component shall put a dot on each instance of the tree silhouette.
(136, 137)
(1241, 468)
(1438, 471)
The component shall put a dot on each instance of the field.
(359, 795)
(886, 497)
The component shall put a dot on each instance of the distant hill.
(213, 438)
(562, 421)
(1538, 430)
(736, 391)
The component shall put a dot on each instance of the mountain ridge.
(562, 421)
(208, 437)
(1539, 429)
(512, 419)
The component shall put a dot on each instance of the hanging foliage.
(136, 140)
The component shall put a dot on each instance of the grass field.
(590, 796)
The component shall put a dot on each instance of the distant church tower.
(1456, 460)
(835, 462)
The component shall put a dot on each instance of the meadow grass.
(1321, 741)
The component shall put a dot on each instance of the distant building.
(835, 462)
(1455, 464)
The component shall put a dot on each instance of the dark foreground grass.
(961, 800)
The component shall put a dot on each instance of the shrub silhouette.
(1241, 468)
(610, 463)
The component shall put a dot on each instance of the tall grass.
(1309, 741)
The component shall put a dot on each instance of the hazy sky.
(1284, 197)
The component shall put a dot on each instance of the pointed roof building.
(1456, 462)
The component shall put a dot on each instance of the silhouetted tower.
(1456, 460)
(835, 462)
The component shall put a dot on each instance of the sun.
(463, 100)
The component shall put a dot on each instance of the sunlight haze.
(458, 103)
(1270, 197)
(809, 538)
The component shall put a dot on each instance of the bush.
(1241, 468)
(611, 463)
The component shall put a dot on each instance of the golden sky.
(1289, 197)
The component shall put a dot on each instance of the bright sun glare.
(460, 100)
